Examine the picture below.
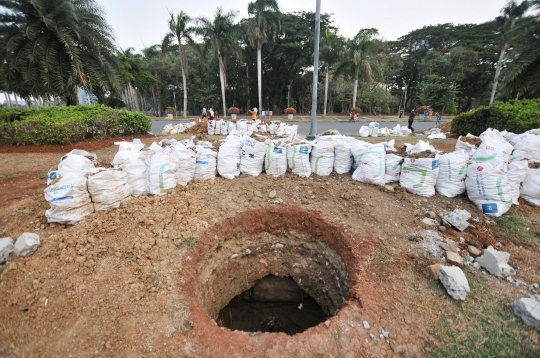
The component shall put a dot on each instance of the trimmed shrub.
(385, 110)
(451, 108)
(61, 125)
(289, 111)
(515, 116)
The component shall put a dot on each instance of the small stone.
(454, 258)
(476, 265)
(442, 228)
(258, 193)
(385, 334)
(538, 232)
(498, 245)
(454, 281)
(433, 270)
(474, 251)
(366, 324)
(26, 244)
(234, 256)
(279, 246)
(429, 221)
(535, 285)
(327, 323)
(446, 223)
(389, 188)
(472, 226)
(461, 239)
(431, 215)
(448, 247)
(6, 248)
(272, 194)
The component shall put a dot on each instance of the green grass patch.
(187, 242)
(516, 229)
(9, 176)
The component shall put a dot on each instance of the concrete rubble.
(6, 248)
(528, 309)
(454, 281)
(495, 262)
(27, 244)
(458, 218)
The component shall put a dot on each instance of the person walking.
(204, 114)
(211, 114)
(411, 120)
(351, 117)
(438, 121)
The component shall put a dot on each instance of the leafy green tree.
(510, 14)
(361, 58)
(385, 110)
(451, 108)
(52, 47)
(263, 26)
(180, 30)
(221, 36)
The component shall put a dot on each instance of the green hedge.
(514, 116)
(61, 125)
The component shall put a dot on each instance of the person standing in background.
(254, 113)
(438, 116)
(411, 120)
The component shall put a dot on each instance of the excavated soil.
(198, 128)
(474, 141)
(534, 165)
(149, 278)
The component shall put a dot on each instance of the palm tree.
(181, 32)
(52, 47)
(330, 51)
(221, 36)
(510, 14)
(263, 26)
(361, 58)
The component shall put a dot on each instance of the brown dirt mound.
(534, 165)
(198, 128)
(446, 127)
(474, 141)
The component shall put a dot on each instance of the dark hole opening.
(273, 304)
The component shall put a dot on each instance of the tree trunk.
(325, 93)
(497, 74)
(248, 95)
(16, 99)
(8, 100)
(222, 80)
(354, 93)
(330, 103)
(184, 82)
(71, 99)
(259, 74)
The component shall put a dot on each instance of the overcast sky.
(141, 23)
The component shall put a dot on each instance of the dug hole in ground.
(151, 277)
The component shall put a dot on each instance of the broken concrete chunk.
(27, 244)
(433, 270)
(448, 247)
(6, 248)
(454, 281)
(430, 222)
(458, 218)
(453, 258)
(528, 309)
(496, 262)
(474, 251)
(429, 235)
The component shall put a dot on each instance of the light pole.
(289, 97)
(171, 87)
(313, 129)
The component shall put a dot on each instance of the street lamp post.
(289, 97)
(313, 129)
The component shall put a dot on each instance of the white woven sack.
(167, 129)
(108, 188)
(393, 168)
(517, 171)
(280, 130)
(452, 174)
(322, 158)
(185, 163)
(343, 158)
(373, 129)
(364, 131)
(275, 161)
(206, 163)
(134, 164)
(69, 199)
(495, 151)
(211, 125)
(161, 172)
(224, 127)
(261, 127)
(488, 188)
(419, 176)
(217, 127)
(530, 188)
(272, 128)
(250, 128)
(79, 162)
(228, 158)
(371, 163)
(252, 156)
(468, 148)
(231, 127)
(241, 127)
(298, 159)
(527, 147)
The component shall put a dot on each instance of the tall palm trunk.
(223, 82)
(497, 73)
(16, 99)
(325, 93)
(354, 93)
(184, 82)
(8, 100)
(259, 74)
(247, 81)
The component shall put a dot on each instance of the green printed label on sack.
(421, 171)
(268, 159)
(293, 158)
(379, 158)
(500, 191)
(462, 170)
(484, 159)
(317, 165)
(161, 184)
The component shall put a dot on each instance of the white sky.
(141, 23)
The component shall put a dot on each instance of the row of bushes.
(515, 116)
(62, 125)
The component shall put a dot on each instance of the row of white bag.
(178, 128)
(373, 130)
(247, 127)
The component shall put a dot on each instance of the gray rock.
(429, 221)
(389, 188)
(272, 194)
(528, 309)
(385, 334)
(372, 336)
(448, 247)
(535, 285)
(6, 248)
(454, 281)
(538, 233)
(476, 265)
(496, 262)
(431, 215)
(519, 283)
(366, 324)
(442, 228)
(27, 244)
(458, 218)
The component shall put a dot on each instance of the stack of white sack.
(275, 161)
(186, 160)
(69, 199)
(371, 162)
(133, 162)
(167, 129)
(322, 157)
(298, 157)
(211, 127)
(206, 163)
(419, 147)
(108, 188)
(228, 158)
(452, 174)
(252, 156)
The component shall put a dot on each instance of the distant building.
(86, 97)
